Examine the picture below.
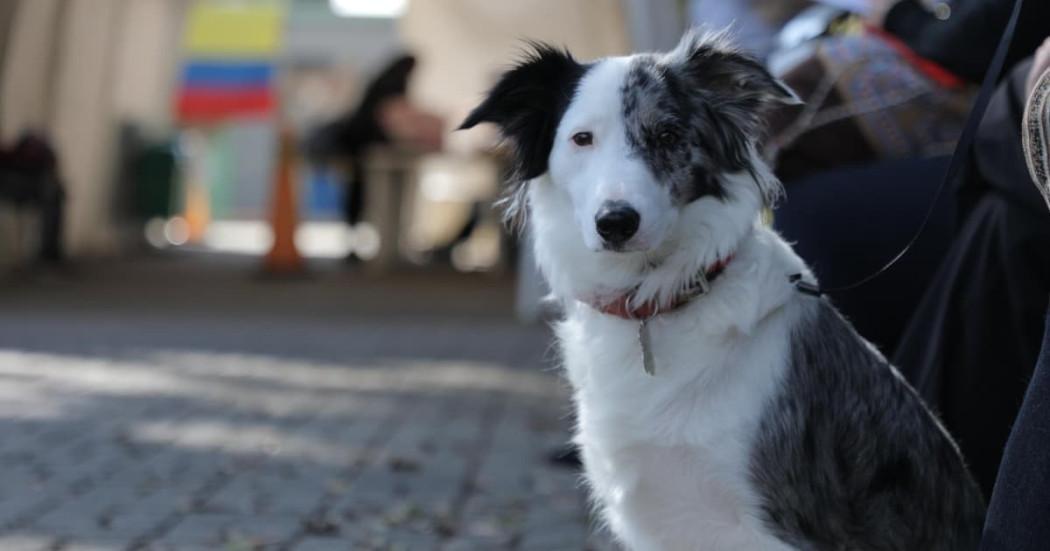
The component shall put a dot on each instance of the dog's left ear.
(734, 91)
(719, 67)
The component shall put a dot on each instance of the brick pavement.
(242, 426)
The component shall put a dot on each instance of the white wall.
(26, 89)
(146, 61)
(76, 69)
(83, 119)
(655, 25)
(319, 37)
(464, 44)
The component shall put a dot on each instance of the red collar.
(621, 305)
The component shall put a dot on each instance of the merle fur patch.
(695, 113)
(848, 457)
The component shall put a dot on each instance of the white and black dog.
(718, 407)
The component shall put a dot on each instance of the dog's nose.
(617, 222)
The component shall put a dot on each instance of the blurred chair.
(29, 181)
(427, 207)
(389, 172)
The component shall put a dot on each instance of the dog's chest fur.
(668, 455)
(769, 424)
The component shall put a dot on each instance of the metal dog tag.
(645, 340)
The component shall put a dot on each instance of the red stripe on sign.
(203, 104)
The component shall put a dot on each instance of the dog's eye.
(667, 138)
(583, 139)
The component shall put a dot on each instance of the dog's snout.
(617, 222)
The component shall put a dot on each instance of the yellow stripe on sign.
(224, 28)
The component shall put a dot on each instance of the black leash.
(962, 152)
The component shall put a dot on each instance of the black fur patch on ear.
(528, 102)
(734, 92)
(712, 60)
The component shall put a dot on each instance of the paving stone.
(197, 530)
(18, 541)
(95, 544)
(229, 430)
(570, 534)
(263, 529)
(324, 544)
(131, 526)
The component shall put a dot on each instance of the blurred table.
(388, 172)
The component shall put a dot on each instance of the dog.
(721, 403)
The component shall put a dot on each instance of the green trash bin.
(154, 170)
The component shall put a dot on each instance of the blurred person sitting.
(384, 116)
(966, 307)
(975, 337)
(29, 177)
(897, 86)
(848, 214)
(1017, 519)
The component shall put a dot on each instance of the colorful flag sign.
(231, 47)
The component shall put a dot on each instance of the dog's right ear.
(527, 103)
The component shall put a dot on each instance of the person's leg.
(52, 204)
(353, 199)
(971, 345)
(1019, 511)
(970, 348)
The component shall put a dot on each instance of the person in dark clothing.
(970, 347)
(1017, 514)
(1018, 518)
(971, 341)
(29, 177)
(348, 137)
(965, 41)
(383, 116)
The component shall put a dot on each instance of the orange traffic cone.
(197, 212)
(284, 258)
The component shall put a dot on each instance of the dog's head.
(634, 147)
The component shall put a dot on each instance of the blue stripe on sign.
(223, 74)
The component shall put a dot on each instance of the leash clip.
(804, 287)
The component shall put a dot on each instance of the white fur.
(602, 172)
(667, 455)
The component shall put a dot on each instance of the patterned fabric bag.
(867, 97)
